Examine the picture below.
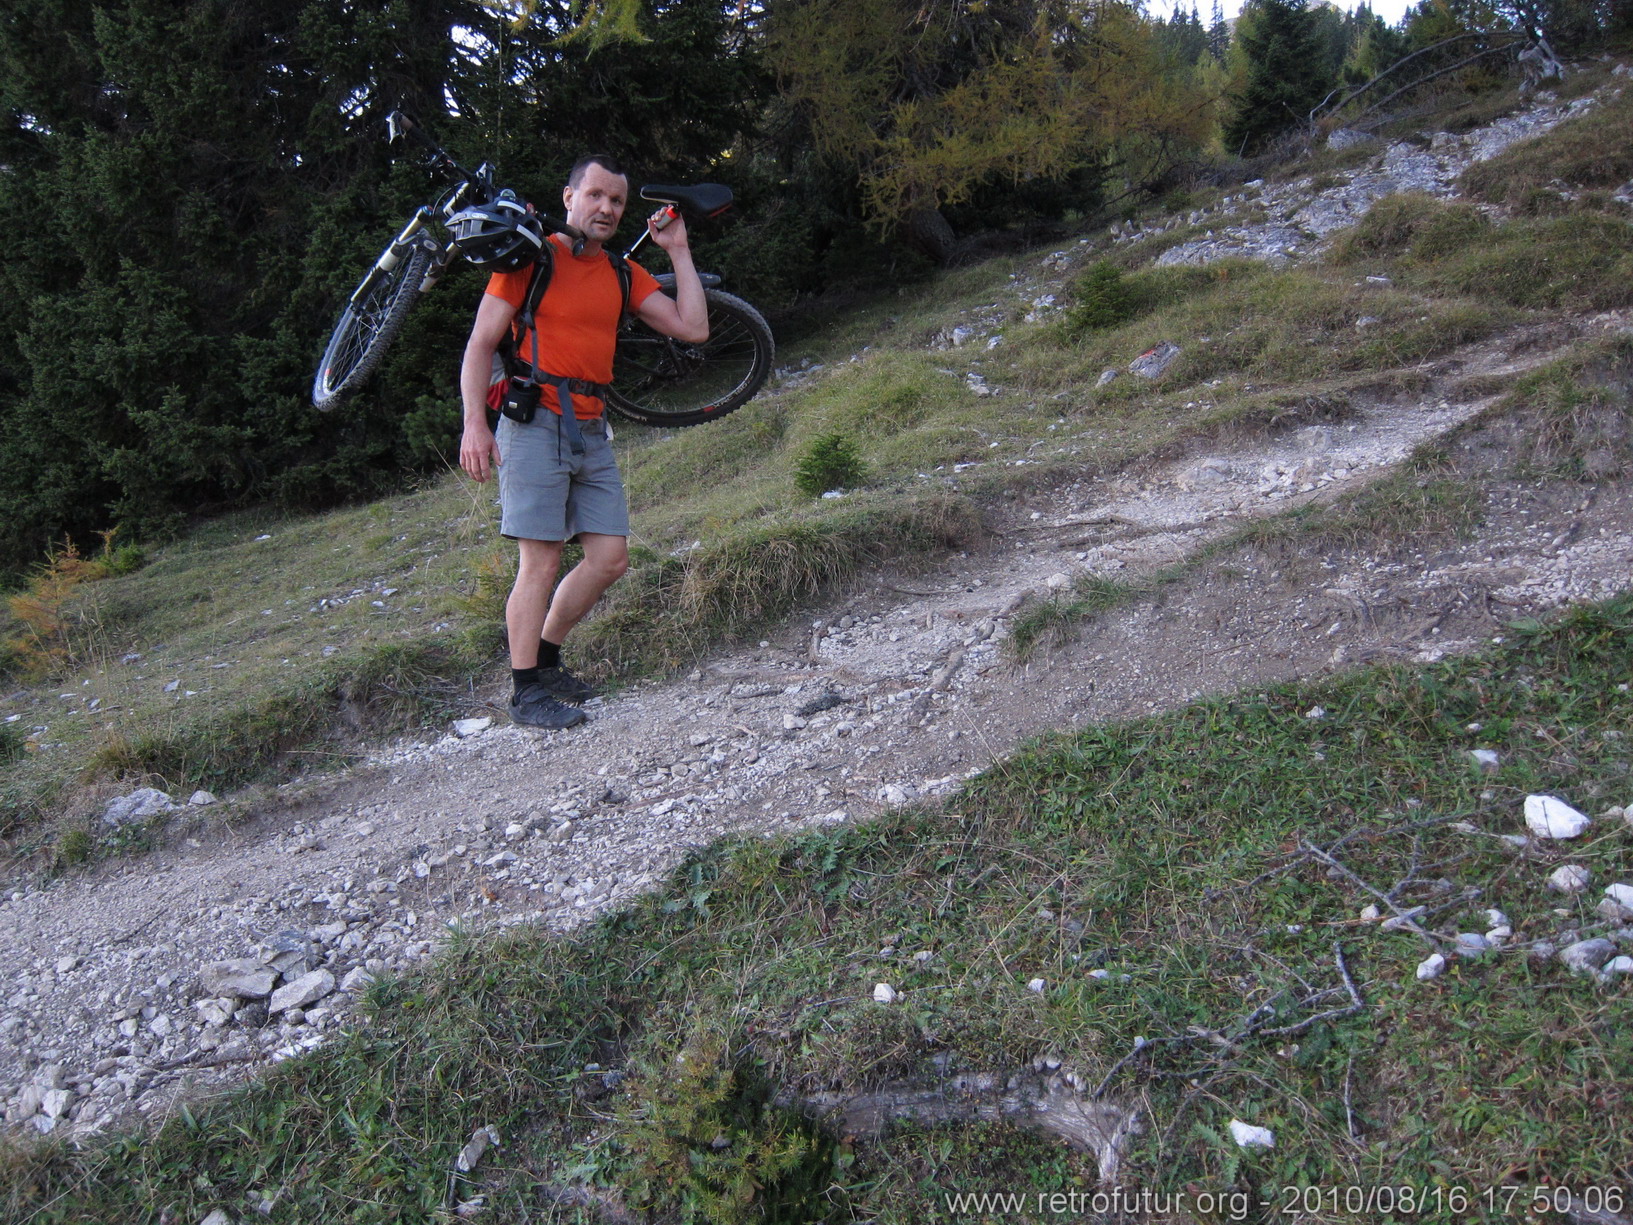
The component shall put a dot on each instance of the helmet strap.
(578, 237)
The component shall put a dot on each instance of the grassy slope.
(269, 674)
(1146, 844)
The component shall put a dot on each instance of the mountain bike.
(657, 380)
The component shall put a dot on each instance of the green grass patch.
(1583, 260)
(1576, 414)
(668, 609)
(1197, 955)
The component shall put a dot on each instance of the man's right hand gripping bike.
(657, 380)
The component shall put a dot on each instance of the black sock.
(549, 653)
(523, 677)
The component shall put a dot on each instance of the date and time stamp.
(1403, 1202)
(1406, 1201)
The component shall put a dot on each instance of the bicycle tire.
(367, 327)
(664, 382)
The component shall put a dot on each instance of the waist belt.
(566, 389)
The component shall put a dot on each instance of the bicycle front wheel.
(657, 380)
(368, 325)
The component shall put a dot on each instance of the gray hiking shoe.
(536, 707)
(564, 686)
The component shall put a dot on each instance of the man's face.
(597, 203)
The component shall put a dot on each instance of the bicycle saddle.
(700, 200)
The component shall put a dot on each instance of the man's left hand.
(672, 236)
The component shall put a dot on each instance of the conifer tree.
(1218, 33)
(1288, 73)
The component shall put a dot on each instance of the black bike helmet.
(498, 237)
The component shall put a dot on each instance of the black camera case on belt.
(521, 401)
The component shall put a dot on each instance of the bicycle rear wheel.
(657, 380)
(368, 325)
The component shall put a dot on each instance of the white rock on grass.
(464, 728)
(1569, 878)
(219, 1216)
(357, 979)
(480, 1139)
(1616, 967)
(139, 805)
(1586, 956)
(1620, 893)
(1038, 985)
(1431, 967)
(1471, 944)
(1485, 760)
(1248, 1136)
(884, 993)
(1548, 816)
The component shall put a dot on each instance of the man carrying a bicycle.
(558, 480)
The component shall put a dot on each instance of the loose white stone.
(242, 978)
(216, 1011)
(1617, 966)
(1485, 760)
(137, 806)
(54, 1103)
(307, 989)
(1431, 967)
(464, 728)
(1039, 985)
(1569, 878)
(1621, 894)
(1586, 956)
(478, 1144)
(66, 964)
(357, 979)
(1549, 816)
(1471, 944)
(884, 993)
(1248, 1136)
(202, 799)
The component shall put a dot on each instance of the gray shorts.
(548, 493)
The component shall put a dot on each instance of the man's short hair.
(606, 161)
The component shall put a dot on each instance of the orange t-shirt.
(576, 324)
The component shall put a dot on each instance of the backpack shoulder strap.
(536, 285)
(620, 265)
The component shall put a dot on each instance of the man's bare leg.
(529, 599)
(605, 560)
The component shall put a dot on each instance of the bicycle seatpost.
(665, 215)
